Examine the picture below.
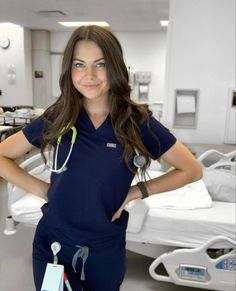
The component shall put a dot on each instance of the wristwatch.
(143, 189)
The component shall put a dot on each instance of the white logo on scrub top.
(111, 145)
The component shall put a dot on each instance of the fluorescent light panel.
(164, 22)
(8, 24)
(80, 23)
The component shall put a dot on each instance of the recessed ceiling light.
(80, 23)
(8, 25)
(164, 22)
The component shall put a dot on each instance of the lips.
(90, 86)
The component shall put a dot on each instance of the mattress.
(187, 228)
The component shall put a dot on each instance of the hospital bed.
(13, 119)
(191, 246)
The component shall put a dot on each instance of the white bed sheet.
(187, 228)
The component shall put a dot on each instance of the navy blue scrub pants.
(104, 268)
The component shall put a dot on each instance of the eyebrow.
(76, 59)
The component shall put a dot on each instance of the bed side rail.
(36, 167)
(195, 268)
(228, 159)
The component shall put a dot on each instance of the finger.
(116, 215)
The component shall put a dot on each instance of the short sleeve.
(156, 137)
(33, 131)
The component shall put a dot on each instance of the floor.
(16, 270)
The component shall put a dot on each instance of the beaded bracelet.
(143, 189)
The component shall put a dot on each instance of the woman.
(86, 197)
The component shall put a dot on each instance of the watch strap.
(143, 189)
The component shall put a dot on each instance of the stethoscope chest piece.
(139, 160)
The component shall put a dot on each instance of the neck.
(97, 111)
(96, 107)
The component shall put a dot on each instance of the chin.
(91, 96)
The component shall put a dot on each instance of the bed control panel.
(193, 273)
(227, 264)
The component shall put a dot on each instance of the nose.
(90, 72)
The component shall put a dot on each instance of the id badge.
(53, 278)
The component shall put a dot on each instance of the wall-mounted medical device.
(143, 79)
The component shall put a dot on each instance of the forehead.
(87, 49)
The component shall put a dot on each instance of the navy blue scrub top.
(83, 199)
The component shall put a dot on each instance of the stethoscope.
(139, 160)
(63, 168)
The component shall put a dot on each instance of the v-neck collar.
(89, 124)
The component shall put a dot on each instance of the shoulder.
(156, 137)
(36, 123)
(34, 130)
(150, 123)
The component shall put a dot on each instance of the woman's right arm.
(10, 149)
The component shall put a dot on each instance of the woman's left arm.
(184, 169)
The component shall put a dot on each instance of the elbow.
(196, 172)
(1, 160)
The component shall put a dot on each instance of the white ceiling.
(122, 15)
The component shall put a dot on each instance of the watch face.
(4, 42)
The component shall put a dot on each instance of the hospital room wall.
(15, 68)
(143, 51)
(201, 55)
(146, 51)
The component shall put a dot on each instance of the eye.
(78, 65)
(100, 65)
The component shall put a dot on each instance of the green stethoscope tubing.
(59, 139)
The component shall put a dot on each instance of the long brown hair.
(125, 113)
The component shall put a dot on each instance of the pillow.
(27, 209)
(220, 184)
(137, 213)
(191, 196)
